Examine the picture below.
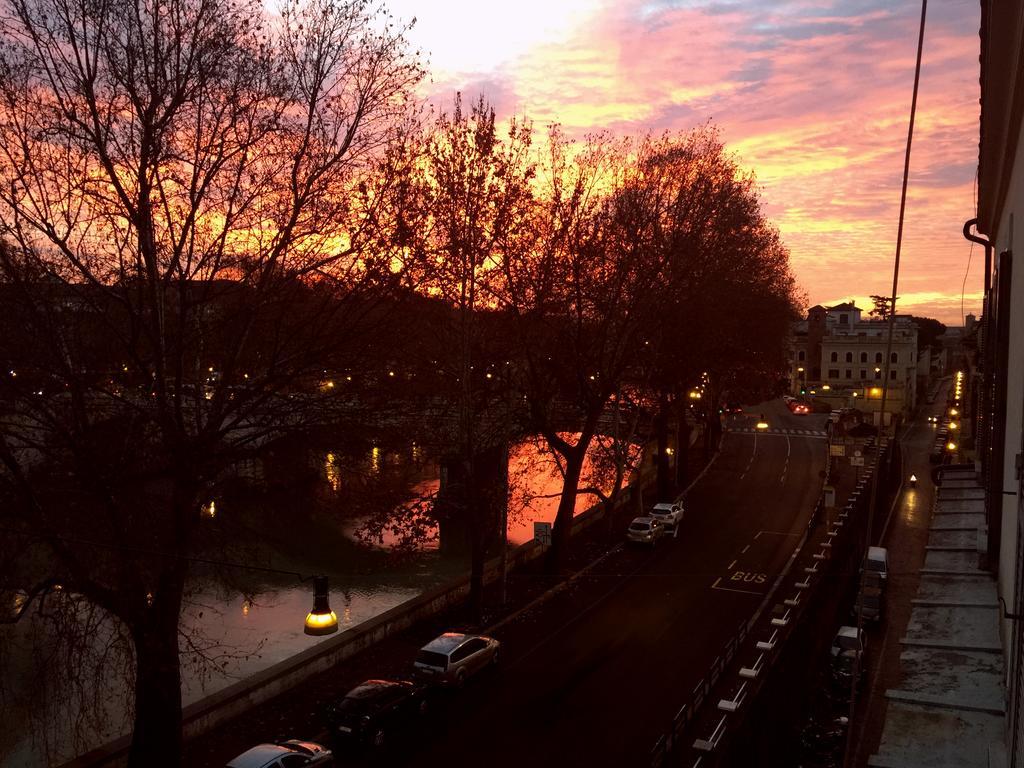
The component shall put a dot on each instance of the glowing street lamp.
(321, 620)
(950, 446)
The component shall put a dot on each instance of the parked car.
(669, 514)
(877, 562)
(645, 530)
(373, 710)
(848, 639)
(869, 601)
(451, 658)
(284, 754)
(842, 672)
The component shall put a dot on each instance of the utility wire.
(858, 660)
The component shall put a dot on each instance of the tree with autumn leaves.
(202, 181)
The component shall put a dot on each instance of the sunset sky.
(812, 95)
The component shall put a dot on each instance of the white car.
(645, 530)
(848, 639)
(668, 514)
(454, 656)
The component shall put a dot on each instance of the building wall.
(1003, 239)
(999, 216)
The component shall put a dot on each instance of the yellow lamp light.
(950, 446)
(953, 412)
(321, 620)
(954, 425)
(762, 425)
(825, 387)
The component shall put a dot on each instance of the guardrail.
(749, 675)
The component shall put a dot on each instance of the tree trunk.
(156, 735)
(682, 447)
(562, 530)
(661, 458)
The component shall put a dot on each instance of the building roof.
(845, 307)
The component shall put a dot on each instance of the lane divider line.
(742, 591)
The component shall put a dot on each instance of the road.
(598, 674)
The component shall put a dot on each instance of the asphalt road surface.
(598, 677)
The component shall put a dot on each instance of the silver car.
(645, 530)
(668, 514)
(290, 754)
(451, 658)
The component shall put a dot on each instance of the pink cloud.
(813, 96)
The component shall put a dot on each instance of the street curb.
(940, 702)
(947, 645)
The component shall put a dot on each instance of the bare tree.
(721, 253)
(185, 194)
(579, 295)
(466, 197)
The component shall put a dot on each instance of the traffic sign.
(542, 533)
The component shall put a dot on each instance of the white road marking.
(744, 550)
(732, 564)
(715, 585)
(758, 536)
(730, 589)
(777, 533)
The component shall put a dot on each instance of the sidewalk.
(935, 694)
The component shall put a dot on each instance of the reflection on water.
(252, 634)
(242, 634)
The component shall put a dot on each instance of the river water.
(244, 630)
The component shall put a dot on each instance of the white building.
(836, 353)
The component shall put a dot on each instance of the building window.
(801, 355)
(863, 374)
(878, 374)
(834, 358)
(849, 357)
(892, 374)
(894, 357)
(878, 357)
(844, 319)
(833, 373)
(863, 359)
(849, 373)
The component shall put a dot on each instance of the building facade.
(1000, 354)
(837, 354)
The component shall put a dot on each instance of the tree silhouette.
(185, 201)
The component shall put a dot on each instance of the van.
(877, 562)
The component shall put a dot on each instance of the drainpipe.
(983, 419)
(984, 242)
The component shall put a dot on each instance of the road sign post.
(542, 533)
